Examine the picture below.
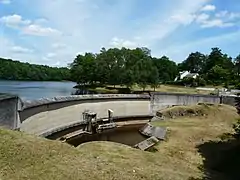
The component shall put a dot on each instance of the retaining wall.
(163, 100)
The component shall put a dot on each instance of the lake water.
(29, 90)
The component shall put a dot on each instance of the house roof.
(192, 74)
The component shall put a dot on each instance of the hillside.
(24, 156)
(16, 70)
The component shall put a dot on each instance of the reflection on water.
(37, 89)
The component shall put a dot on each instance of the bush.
(201, 81)
(236, 128)
(177, 83)
(237, 86)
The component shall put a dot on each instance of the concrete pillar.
(110, 115)
(9, 107)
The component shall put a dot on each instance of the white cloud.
(90, 25)
(14, 20)
(183, 10)
(19, 49)
(41, 21)
(5, 1)
(10, 49)
(221, 14)
(117, 42)
(228, 15)
(204, 45)
(221, 19)
(58, 45)
(27, 27)
(216, 23)
(202, 18)
(184, 19)
(233, 16)
(38, 30)
(51, 55)
(209, 7)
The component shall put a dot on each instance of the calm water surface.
(29, 90)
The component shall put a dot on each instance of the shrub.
(237, 86)
(201, 81)
(236, 128)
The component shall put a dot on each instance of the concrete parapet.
(33, 107)
(49, 114)
(9, 106)
(73, 98)
(43, 115)
(161, 100)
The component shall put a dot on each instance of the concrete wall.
(39, 117)
(128, 135)
(44, 115)
(230, 100)
(9, 111)
(164, 100)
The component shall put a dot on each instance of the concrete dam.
(62, 117)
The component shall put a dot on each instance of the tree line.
(136, 66)
(122, 67)
(127, 67)
(216, 68)
(15, 70)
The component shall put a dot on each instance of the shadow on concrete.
(221, 159)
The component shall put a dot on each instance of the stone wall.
(164, 100)
(9, 111)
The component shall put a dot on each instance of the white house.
(184, 74)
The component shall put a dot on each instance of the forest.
(15, 70)
(136, 66)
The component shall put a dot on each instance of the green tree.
(194, 63)
(83, 68)
(237, 65)
(15, 70)
(216, 57)
(154, 77)
(143, 71)
(167, 69)
(217, 75)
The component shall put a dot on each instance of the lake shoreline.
(31, 90)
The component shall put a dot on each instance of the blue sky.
(52, 32)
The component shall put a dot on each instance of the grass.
(24, 156)
(162, 88)
(173, 88)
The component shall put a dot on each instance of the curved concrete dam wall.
(46, 115)
(42, 116)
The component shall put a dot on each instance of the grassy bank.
(182, 156)
(108, 89)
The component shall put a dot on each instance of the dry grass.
(200, 109)
(172, 88)
(27, 157)
(161, 88)
(187, 133)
